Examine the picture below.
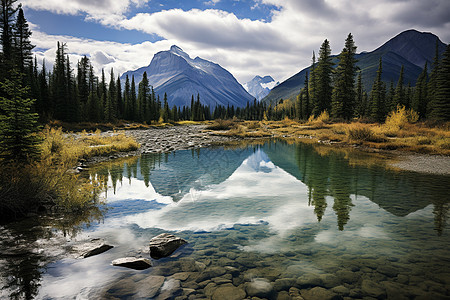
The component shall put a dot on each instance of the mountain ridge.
(175, 73)
(418, 47)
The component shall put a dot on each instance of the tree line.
(30, 95)
(334, 89)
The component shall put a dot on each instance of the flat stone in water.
(132, 263)
(94, 247)
(164, 244)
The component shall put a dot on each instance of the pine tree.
(45, 108)
(143, 95)
(312, 85)
(6, 37)
(306, 102)
(127, 99)
(377, 96)
(400, 95)
(103, 94)
(83, 85)
(432, 83)
(360, 105)
(22, 45)
(166, 110)
(420, 97)
(110, 107)
(120, 106)
(390, 103)
(343, 97)
(133, 100)
(324, 71)
(440, 107)
(18, 123)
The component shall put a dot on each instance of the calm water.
(259, 220)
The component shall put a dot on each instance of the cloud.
(212, 2)
(90, 7)
(279, 47)
(211, 27)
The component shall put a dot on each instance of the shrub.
(398, 118)
(360, 133)
(221, 125)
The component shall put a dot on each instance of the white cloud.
(280, 47)
(212, 2)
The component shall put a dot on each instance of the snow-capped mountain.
(259, 86)
(175, 73)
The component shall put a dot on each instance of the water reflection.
(276, 210)
(268, 176)
(29, 245)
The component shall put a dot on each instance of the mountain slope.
(410, 49)
(259, 87)
(175, 73)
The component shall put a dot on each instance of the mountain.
(411, 48)
(175, 73)
(259, 87)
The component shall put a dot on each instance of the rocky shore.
(166, 139)
(173, 138)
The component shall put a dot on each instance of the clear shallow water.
(272, 216)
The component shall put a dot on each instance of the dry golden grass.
(401, 132)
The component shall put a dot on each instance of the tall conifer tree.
(324, 71)
(343, 97)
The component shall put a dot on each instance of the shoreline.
(184, 137)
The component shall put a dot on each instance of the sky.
(246, 37)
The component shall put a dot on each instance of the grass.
(49, 182)
(400, 132)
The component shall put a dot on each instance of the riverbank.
(182, 137)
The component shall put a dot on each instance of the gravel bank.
(158, 140)
(434, 164)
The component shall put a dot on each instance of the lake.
(267, 220)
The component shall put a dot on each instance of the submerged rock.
(94, 247)
(259, 287)
(132, 263)
(164, 244)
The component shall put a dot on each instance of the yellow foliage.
(398, 118)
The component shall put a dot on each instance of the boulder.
(132, 263)
(372, 289)
(164, 244)
(259, 287)
(149, 287)
(228, 292)
(319, 293)
(94, 247)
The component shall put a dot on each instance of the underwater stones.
(283, 284)
(309, 280)
(210, 273)
(149, 287)
(387, 270)
(91, 248)
(182, 276)
(294, 293)
(371, 288)
(347, 276)
(341, 290)
(329, 280)
(170, 289)
(132, 263)
(228, 292)
(164, 244)
(319, 293)
(259, 287)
